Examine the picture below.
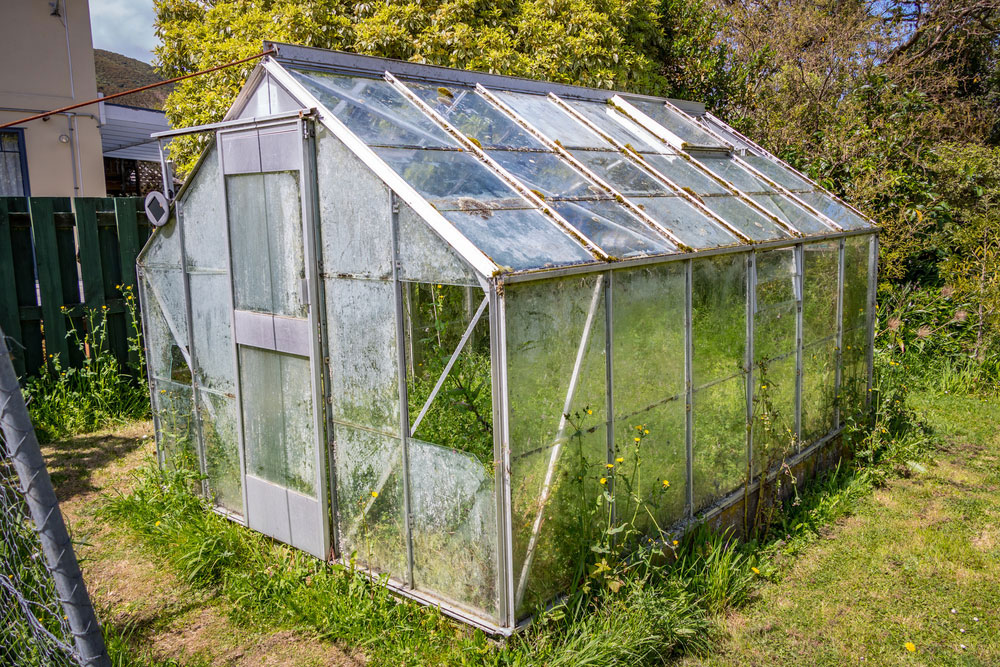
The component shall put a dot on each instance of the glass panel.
(212, 328)
(265, 220)
(719, 448)
(556, 365)
(618, 171)
(688, 224)
(461, 414)
(475, 117)
(681, 127)
(546, 117)
(277, 419)
(744, 218)
(364, 385)
(222, 454)
(613, 228)
(547, 174)
(856, 259)
(519, 240)
(648, 352)
(791, 214)
(424, 256)
(687, 177)
(718, 302)
(204, 218)
(819, 299)
(163, 249)
(451, 179)
(166, 333)
(773, 413)
(370, 499)
(619, 127)
(374, 110)
(730, 171)
(777, 302)
(777, 173)
(834, 210)
(854, 376)
(176, 436)
(454, 527)
(819, 364)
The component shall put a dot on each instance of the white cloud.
(123, 26)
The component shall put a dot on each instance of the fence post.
(128, 248)
(10, 312)
(40, 497)
(43, 232)
(91, 269)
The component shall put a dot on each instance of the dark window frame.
(22, 154)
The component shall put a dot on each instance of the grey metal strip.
(236, 123)
(689, 383)
(609, 369)
(501, 454)
(751, 386)
(839, 372)
(800, 289)
(871, 315)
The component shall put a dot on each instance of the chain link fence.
(46, 616)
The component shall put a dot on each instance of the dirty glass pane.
(176, 436)
(619, 127)
(364, 386)
(819, 298)
(212, 328)
(687, 177)
(792, 214)
(546, 117)
(369, 472)
(163, 249)
(779, 174)
(461, 414)
(648, 353)
(474, 117)
(556, 366)
(547, 174)
(854, 375)
(277, 418)
(222, 454)
(679, 126)
(374, 110)
(621, 173)
(518, 240)
(777, 303)
(265, 221)
(834, 210)
(204, 217)
(856, 258)
(424, 256)
(730, 171)
(164, 338)
(719, 446)
(454, 527)
(773, 411)
(687, 223)
(718, 317)
(613, 228)
(819, 364)
(744, 218)
(446, 176)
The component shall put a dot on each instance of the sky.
(124, 26)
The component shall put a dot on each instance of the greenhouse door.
(269, 189)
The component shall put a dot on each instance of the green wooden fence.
(58, 258)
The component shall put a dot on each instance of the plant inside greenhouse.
(420, 320)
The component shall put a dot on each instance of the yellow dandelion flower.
(666, 483)
(638, 439)
(440, 286)
(676, 543)
(589, 411)
(619, 459)
(646, 431)
(374, 494)
(755, 570)
(609, 466)
(604, 480)
(910, 647)
(638, 428)
(156, 524)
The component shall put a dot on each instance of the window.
(13, 165)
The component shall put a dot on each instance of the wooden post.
(10, 312)
(49, 276)
(128, 248)
(91, 270)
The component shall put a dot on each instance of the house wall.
(49, 63)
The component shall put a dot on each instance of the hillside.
(116, 73)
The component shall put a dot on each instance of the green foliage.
(99, 393)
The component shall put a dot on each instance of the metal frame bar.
(501, 454)
(144, 320)
(609, 380)
(404, 410)
(557, 445)
(751, 386)
(511, 180)
(872, 305)
(237, 123)
(447, 367)
(689, 383)
(839, 356)
(799, 278)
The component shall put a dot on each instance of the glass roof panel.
(780, 175)
(447, 178)
(834, 210)
(519, 239)
(744, 218)
(546, 117)
(785, 209)
(677, 169)
(732, 172)
(619, 171)
(618, 126)
(613, 228)
(687, 223)
(547, 174)
(678, 125)
(374, 110)
(475, 117)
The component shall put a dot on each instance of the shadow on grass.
(73, 461)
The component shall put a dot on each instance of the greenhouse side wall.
(674, 388)
(418, 506)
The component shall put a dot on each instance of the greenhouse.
(420, 320)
